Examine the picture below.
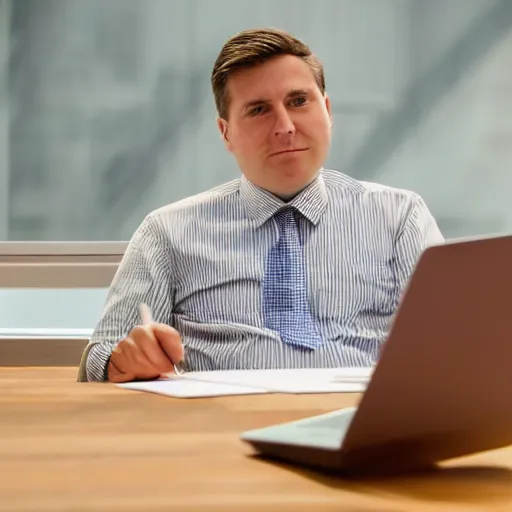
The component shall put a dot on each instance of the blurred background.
(106, 112)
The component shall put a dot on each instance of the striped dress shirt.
(199, 264)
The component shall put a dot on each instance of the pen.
(147, 319)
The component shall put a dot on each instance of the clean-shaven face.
(279, 124)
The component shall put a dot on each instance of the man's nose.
(284, 124)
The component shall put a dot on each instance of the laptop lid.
(443, 384)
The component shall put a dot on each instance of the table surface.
(94, 446)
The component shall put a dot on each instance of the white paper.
(243, 382)
(185, 388)
(304, 380)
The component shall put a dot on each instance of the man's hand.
(146, 353)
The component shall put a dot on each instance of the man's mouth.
(291, 150)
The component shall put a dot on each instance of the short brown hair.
(256, 46)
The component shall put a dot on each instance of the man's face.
(279, 126)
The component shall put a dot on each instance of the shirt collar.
(261, 205)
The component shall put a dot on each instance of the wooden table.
(71, 446)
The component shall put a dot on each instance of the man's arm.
(418, 231)
(143, 276)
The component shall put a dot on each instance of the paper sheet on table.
(187, 388)
(245, 382)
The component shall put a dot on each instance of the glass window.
(54, 288)
(36, 311)
(106, 110)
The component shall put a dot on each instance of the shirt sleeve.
(419, 231)
(144, 276)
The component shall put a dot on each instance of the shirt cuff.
(96, 366)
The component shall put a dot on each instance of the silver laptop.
(442, 387)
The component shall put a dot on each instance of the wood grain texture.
(86, 446)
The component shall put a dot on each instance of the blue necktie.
(285, 302)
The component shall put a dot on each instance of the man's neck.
(286, 198)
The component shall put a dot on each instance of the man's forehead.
(247, 86)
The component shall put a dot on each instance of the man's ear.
(328, 107)
(223, 126)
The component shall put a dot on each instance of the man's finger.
(129, 359)
(135, 359)
(154, 352)
(115, 375)
(121, 378)
(170, 341)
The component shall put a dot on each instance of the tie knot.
(284, 217)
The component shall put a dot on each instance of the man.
(291, 265)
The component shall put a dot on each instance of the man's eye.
(298, 102)
(256, 111)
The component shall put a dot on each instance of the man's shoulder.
(337, 181)
(216, 196)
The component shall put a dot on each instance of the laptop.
(442, 387)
